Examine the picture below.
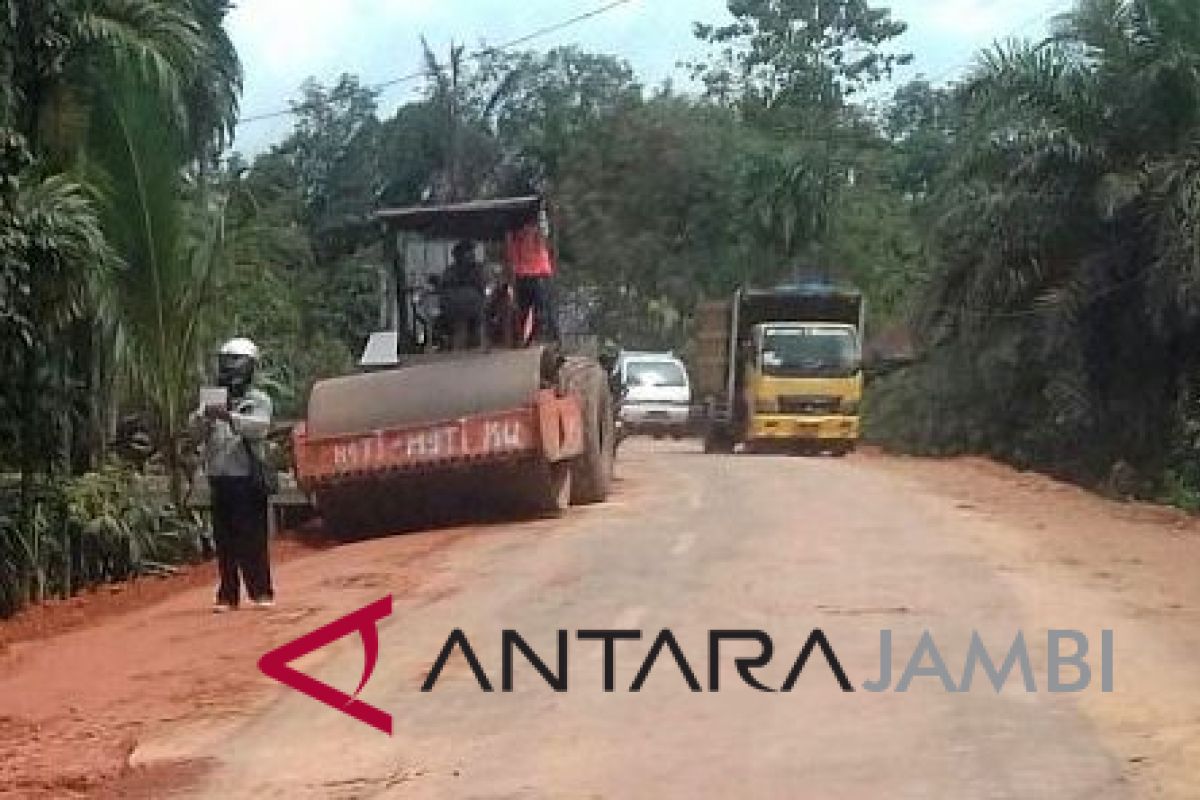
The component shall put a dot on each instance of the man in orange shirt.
(533, 267)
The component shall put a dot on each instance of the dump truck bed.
(710, 358)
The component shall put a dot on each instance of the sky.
(284, 42)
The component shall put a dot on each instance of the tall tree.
(538, 104)
(791, 68)
(1067, 239)
(650, 209)
(334, 151)
(170, 232)
(65, 67)
(806, 56)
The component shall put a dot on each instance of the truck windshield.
(654, 373)
(809, 352)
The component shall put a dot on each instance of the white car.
(657, 394)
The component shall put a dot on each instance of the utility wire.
(425, 73)
(1041, 16)
(549, 29)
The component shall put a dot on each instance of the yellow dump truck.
(780, 368)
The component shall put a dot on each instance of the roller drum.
(430, 391)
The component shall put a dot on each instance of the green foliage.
(540, 105)
(973, 396)
(918, 121)
(32, 533)
(808, 56)
(282, 305)
(123, 518)
(104, 249)
(334, 152)
(790, 70)
(1180, 489)
(50, 237)
(298, 283)
(875, 240)
(172, 236)
(102, 527)
(645, 211)
(1063, 311)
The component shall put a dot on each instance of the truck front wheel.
(717, 440)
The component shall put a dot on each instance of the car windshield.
(654, 373)
(799, 352)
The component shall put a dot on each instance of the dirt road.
(690, 543)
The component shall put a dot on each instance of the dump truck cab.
(781, 367)
(802, 382)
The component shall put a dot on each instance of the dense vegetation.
(1033, 226)
(112, 114)
(1061, 322)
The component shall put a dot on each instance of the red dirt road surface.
(146, 694)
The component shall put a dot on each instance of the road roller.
(428, 428)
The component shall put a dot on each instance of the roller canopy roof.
(485, 220)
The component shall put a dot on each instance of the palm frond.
(158, 46)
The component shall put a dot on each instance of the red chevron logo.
(277, 663)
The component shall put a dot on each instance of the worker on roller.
(463, 296)
(532, 266)
(234, 432)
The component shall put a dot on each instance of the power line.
(1041, 16)
(486, 51)
(555, 28)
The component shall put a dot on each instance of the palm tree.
(70, 69)
(52, 251)
(63, 57)
(170, 231)
(1070, 219)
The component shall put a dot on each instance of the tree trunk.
(175, 478)
(28, 469)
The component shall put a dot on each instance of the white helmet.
(240, 347)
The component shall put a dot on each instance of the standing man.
(529, 258)
(464, 293)
(233, 437)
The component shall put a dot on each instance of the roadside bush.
(971, 397)
(105, 526)
(1118, 425)
(125, 526)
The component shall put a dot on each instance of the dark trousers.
(463, 309)
(239, 515)
(534, 293)
(467, 333)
